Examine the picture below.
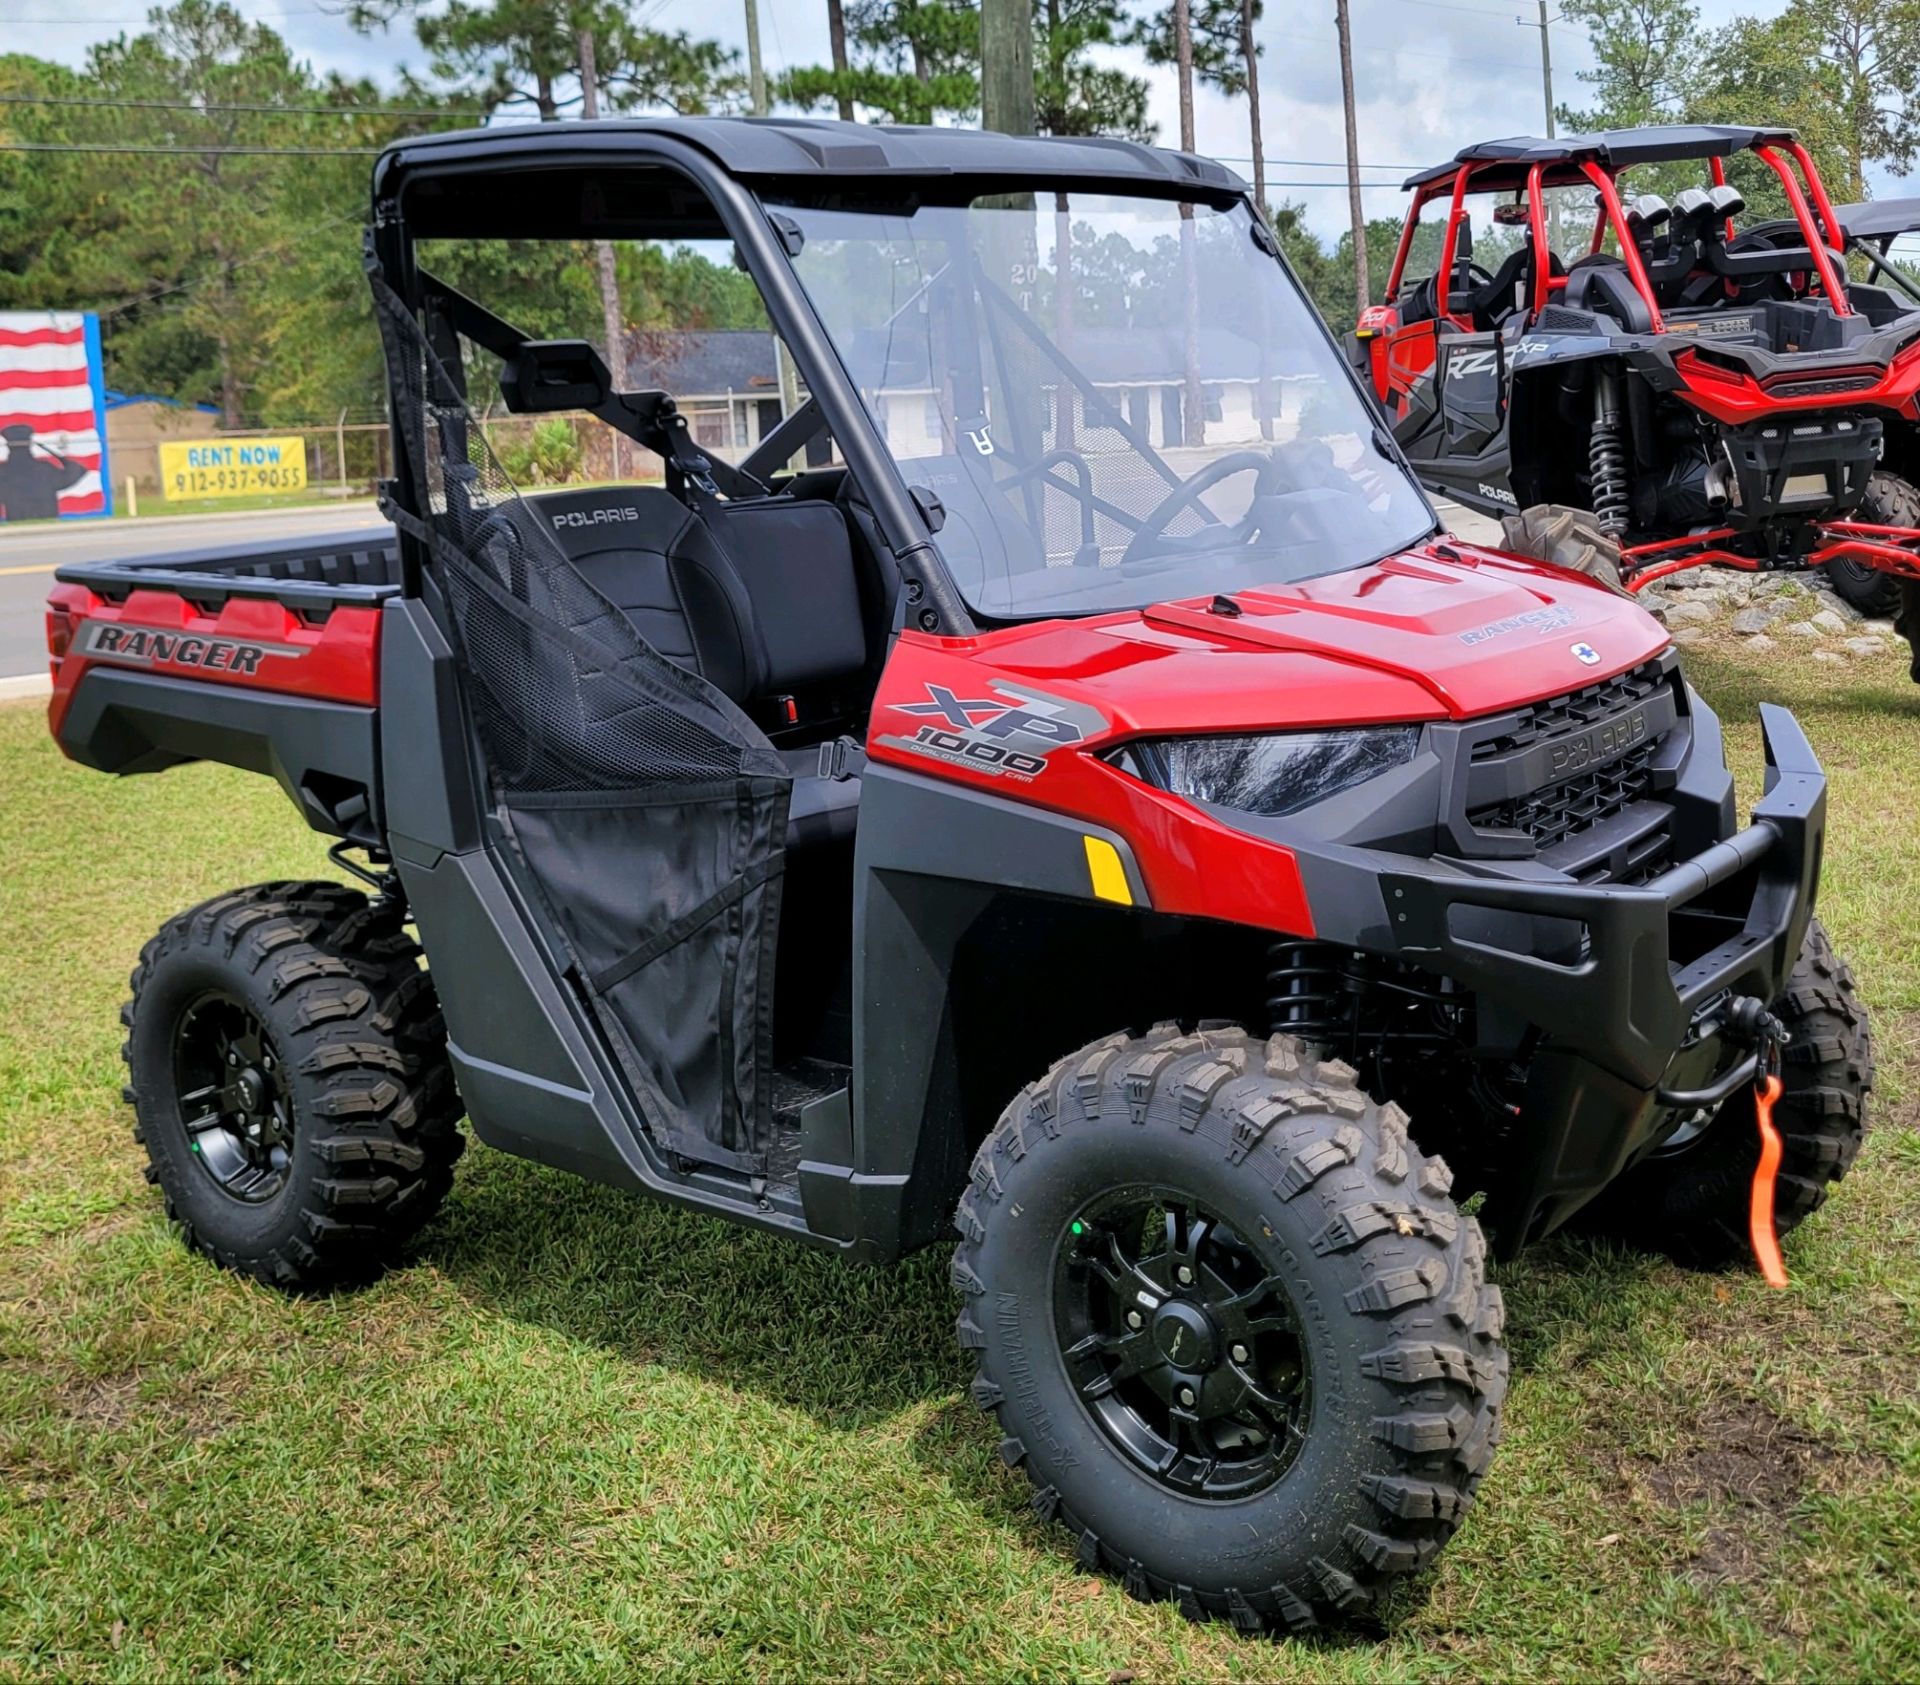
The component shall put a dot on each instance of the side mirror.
(932, 510)
(544, 375)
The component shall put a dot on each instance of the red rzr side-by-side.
(1693, 384)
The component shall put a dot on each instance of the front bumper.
(1625, 983)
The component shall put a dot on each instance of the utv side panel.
(931, 859)
(325, 755)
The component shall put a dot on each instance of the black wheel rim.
(1183, 1346)
(232, 1094)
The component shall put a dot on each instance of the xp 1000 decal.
(1000, 728)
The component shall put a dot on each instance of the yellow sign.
(232, 467)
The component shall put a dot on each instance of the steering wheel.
(1183, 495)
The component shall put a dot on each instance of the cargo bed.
(263, 657)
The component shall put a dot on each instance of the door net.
(644, 808)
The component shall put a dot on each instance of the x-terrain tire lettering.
(1400, 1367)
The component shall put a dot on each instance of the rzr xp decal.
(1008, 734)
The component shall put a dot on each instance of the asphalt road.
(29, 555)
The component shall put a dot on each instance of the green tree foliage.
(509, 53)
(179, 249)
(1216, 43)
(1647, 54)
(550, 455)
(1073, 94)
(229, 271)
(918, 61)
(910, 61)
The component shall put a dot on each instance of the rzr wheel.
(1231, 1324)
(1689, 1200)
(287, 1069)
(1568, 538)
(1889, 502)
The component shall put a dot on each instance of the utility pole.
(756, 72)
(1006, 66)
(1546, 93)
(1362, 287)
(603, 254)
(1546, 60)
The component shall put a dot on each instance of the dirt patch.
(1748, 1469)
(112, 1403)
(1744, 1456)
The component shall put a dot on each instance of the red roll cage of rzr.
(1793, 383)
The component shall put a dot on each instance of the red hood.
(1436, 632)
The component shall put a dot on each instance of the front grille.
(1551, 815)
(1575, 711)
(1560, 810)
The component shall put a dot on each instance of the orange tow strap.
(1766, 1244)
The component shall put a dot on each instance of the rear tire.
(1691, 1202)
(288, 1073)
(1568, 538)
(1889, 502)
(1272, 1169)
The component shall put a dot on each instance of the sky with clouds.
(1430, 75)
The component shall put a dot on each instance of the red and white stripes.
(46, 384)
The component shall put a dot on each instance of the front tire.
(1690, 1202)
(1568, 538)
(287, 1067)
(1278, 1392)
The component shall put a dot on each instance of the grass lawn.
(584, 1434)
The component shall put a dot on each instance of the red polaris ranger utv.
(1681, 390)
(1055, 778)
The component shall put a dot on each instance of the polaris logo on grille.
(1585, 654)
(594, 517)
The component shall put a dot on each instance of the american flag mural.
(53, 453)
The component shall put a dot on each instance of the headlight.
(1273, 775)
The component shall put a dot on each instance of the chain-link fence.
(348, 459)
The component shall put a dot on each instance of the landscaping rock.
(1687, 612)
(1804, 629)
(1756, 618)
(1879, 629)
(1839, 605)
(1689, 635)
(1762, 642)
(1865, 646)
(1827, 621)
(1828, 656)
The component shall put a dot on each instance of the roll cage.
(1530, 167)
(673, 178)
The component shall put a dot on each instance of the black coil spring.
(1607, 459)
(1303, 991)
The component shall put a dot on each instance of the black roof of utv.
(808, 152)
(1613, 149)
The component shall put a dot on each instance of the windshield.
(1171, 421)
